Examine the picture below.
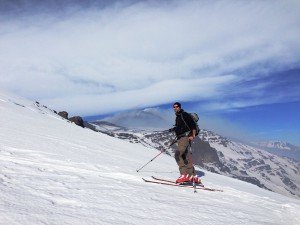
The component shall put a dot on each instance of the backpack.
(195, 118)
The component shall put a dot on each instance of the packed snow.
(54, 172)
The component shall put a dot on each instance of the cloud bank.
(100, 59)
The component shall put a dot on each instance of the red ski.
(172, 183)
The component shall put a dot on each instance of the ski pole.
(175, 140)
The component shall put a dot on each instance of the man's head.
(177, 106)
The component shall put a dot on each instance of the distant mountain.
(221, 155)
(279, 145)
(281, 148)
(147, 119)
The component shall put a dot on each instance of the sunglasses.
(175, 106)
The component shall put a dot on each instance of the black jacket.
(184, 123)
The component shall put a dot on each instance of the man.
(185, 130)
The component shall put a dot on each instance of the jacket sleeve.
(189, 121)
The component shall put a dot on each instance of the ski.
(179, 185)
(199, 186)
(194, 185)
(173, 182)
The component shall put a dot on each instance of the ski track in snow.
(53, 172)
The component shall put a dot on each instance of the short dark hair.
(177, 103)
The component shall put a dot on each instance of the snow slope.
(54, 172)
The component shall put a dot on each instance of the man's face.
(176, 108)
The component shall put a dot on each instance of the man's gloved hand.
(171, 129)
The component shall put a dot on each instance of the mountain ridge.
(221, 155)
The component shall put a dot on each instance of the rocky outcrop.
(63, 114)
(203, 153)
(77, 120)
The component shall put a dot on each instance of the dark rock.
(92, 127)
(224, 143)
(256, 162)
(221, 154)
(63, 114)
(211, 169)
(233, 167)
(243, 172)
(225, 169)
(203, 153)
(252, 180)
(20, 105)
(77, 120)
(287, 181)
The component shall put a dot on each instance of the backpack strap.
(185, 122)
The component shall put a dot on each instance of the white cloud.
(145, 54)
(156, 94)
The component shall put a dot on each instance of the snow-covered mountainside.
(221, 155)
(282, 149)
(54, 172)
(278, 145)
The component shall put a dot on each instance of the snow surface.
(54, 172)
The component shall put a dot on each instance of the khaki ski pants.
(183, 157)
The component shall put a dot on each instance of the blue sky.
(278, 121)
(237, 63)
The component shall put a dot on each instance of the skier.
(185, 130)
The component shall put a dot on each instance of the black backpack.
(195, 118)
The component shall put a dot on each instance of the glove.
(171, 129)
